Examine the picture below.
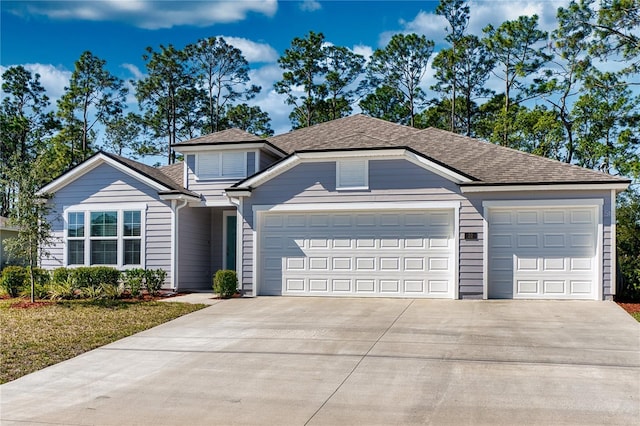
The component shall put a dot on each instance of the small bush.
(105, 275)
(225, 283)
(60, 275)
(62, 290)
(111, 291)
(13, 280)
(93, 292)
(154, 279)
(93, 276)
(134, 281)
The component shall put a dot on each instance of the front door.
(230, 251)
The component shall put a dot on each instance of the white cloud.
(363, 50)
(310, 5)
(270, 101)
(53, 79)
(482, 13)
(253, 51)
(148, 14)
(134, 70)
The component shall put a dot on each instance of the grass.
(35, 337)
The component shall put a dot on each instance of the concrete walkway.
(322, 361)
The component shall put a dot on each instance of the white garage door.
(543, 253)
(390, 254)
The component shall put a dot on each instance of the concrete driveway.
(321, 361)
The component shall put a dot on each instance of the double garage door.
(391, 254)
(543, 253)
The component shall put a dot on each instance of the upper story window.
(220, 165)
(352, 174)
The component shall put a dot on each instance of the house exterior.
(353, 207)
(6, 232)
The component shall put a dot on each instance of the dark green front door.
(230, 255)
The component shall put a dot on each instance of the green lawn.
(36, 337)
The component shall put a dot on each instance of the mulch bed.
(632, 308)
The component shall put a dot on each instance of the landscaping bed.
(633, 308)
(37, 335)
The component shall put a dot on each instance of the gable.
(331, 157)
(388, 179)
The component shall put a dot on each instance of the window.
(114, 237)
(222, 165)
(352, 174)
(75, 238)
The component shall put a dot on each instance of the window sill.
(353, 188)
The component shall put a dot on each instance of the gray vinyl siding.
(194, 249)
(476, 200)
(114, 189)
(389, 180)
(267, 159)
(212, 189)
(402, 181)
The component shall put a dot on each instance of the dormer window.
(352, 174)
(221, 165)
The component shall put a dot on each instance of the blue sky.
(49, 36)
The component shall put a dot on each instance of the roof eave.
(544, 186)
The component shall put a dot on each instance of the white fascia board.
(190, 198)
(546, 187)
(240, 192)
(91, 164)
(436, 168)
(270, 173)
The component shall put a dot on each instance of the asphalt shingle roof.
(486, 163)
(483, 162)
(224, 136)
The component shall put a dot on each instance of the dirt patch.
(26, 304)
(632, 308)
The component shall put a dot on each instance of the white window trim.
(87, 209)
(345, 163)
(220, 154)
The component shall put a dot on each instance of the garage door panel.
(386, 254)
(542, 253)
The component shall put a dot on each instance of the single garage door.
(391, 254)
(543, 253)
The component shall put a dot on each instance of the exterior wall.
(400, 180)
(266, 159)
(107, 186)
(5, 234)
(476, 200)
(213, 189)
(389, 180)
(194, 248)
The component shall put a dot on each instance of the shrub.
(93, 276)
(111, 291)
(81, 276)
(105, 275)
(62, 290)
(13, 280)
(92, 292)
(60, 275)
(225, 283)
(133, 281)
(154, 279)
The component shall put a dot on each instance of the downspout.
(175, 208)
